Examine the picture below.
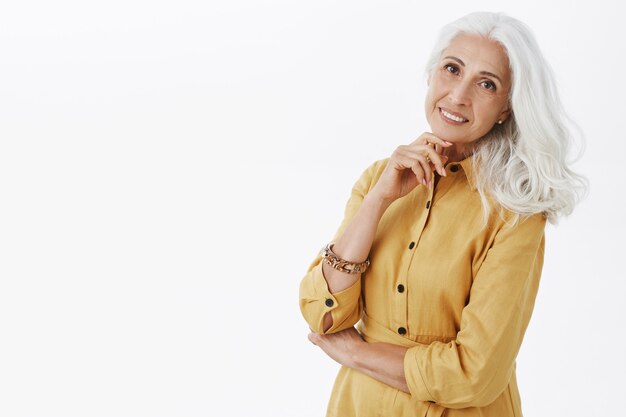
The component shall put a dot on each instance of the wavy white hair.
(522, 164)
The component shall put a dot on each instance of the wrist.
(359, 353)
(376, 203)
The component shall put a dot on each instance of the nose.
(460, 93)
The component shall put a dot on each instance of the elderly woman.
(438, 259)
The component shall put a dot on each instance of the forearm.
(383, 362)
(355, 243)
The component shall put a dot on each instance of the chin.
(446, 134)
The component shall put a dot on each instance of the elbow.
(480, 390)
(312, 316)
(454, 378)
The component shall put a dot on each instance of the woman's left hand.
(341, 346)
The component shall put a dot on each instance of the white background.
(168, 170)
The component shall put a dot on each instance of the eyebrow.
(491, 74)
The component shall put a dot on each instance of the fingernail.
(424, 182)
(444, 171)
(449, 143)
(430, 184)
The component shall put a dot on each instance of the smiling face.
(468, 90)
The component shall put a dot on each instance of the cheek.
(432, 96)
(432, 99)
(487, 109)
(429, 102)
(438, 89)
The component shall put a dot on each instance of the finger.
(428, 137)
(410, 159)
(435, 158)
(436, 161)
(419, 171)
(439, 150)
(435, 140)
(427, 171)
(444, 160)
(421, 168)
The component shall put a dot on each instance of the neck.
(458, 152)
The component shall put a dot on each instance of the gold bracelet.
(341, 264)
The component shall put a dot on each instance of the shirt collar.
(468, 167)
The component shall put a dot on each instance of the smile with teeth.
(452, 117)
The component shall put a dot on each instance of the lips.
(452, 117)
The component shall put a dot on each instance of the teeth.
(453, 117)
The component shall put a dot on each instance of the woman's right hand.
(409, 166)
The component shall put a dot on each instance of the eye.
(451, 68)
(488, 85)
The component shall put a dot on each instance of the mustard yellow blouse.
(458, 294)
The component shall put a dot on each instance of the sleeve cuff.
(316, 300)
(413, 374)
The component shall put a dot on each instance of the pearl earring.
(499, 122)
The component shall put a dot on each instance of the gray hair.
(522, 164)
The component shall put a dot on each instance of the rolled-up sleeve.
(474, 369)
(315, 298)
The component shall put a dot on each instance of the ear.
(504, 114)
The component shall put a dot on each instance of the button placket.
(400, 307)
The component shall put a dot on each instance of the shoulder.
(525, 223)
(372, 173)
(378, 166)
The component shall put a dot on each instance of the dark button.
(329, 302)
(411, 245)
(454, 168)
(400, 288)
(401, 330)
(428, 204)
